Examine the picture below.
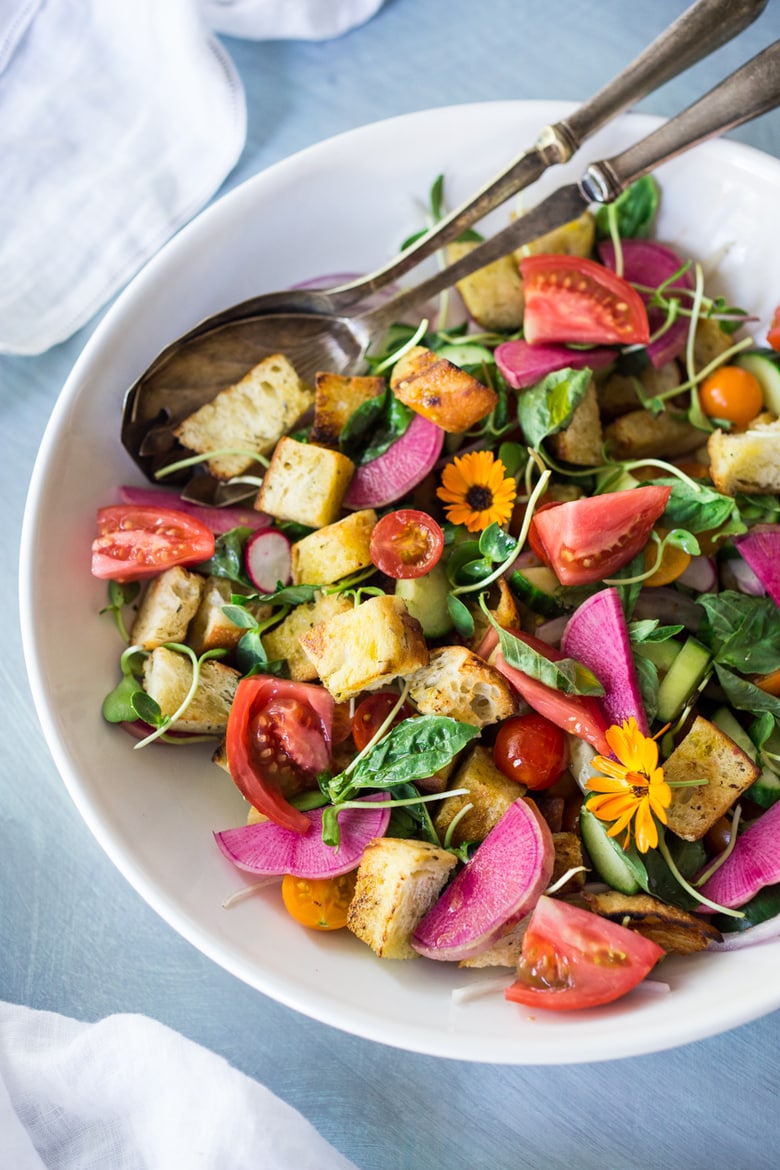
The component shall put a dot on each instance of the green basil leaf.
(698, 509)
(567, 675)
(228, 558)
(743, 632)
(287, 595)
(636, 210)
(650, 631)
(547, 407)
(745, 696)
(461, 615)
(374, 427)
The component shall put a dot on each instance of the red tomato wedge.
(587, 540)
(371, 713)
(571, 299)
(773, 336)
(572, 959)
(136, 542)
(406, 544)
(279, 737)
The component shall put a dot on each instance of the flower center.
(479, 498)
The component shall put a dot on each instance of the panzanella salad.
(492, 647)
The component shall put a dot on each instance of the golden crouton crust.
(304, 483)
(490, 793)
(568, 855)
(677, 931)
(167, 608)
(747, 461)
(705, 753)
(284, 640)
(335, 551)
(441, 391)
(638, 435)
(167, 677)
(459, 683)
(336, 397)
(581, 441)
(493, 295)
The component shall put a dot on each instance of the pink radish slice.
(753, 863)
(649, 263)
(495, 889)
(219, 520)
(524, 365)
(268, 848)
(700, 575)
(597, 636)
(267, 559)
(761, 549)
(392, 475)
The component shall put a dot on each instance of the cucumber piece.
(661, 654)
(764, 364)
(765, 789)
(728, 723)
(607, 855)
(536, 587)
(682, 679)
(426, 600)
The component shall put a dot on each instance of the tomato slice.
(406, 544)
(138, 542)
(371, 713)
(587, 540)
(572, 959)
(773, 336)
(279, 736)
(531, 750)
(319, 903)
(573, 299)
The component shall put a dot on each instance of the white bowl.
(344, 205)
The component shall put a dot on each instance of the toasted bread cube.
(493, 295)
(168, 606)
(747, 461)
(457, 682)
(504, 952)
(335, 551)
(251, 415)
(210, 628)
(709, 342)
(167, 677)
(367, 647)
(304, 483)
(568, 855)
(398, 882)
(639, 435)
(706, 753)
(336, 398)
(441, 391)
(284, 640)
(617, 393)
(581, 441)
(575, 238)
(677, 931)
(489, 791)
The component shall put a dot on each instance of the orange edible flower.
(477, 491)
(633, 787)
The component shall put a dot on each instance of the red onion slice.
(219, 520)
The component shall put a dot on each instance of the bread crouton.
(568, 855)
(706, 753)
(167, 677)
(440, 391)
(581, 441)
(167, 608)
(284, 640)
(367, 647)
(304, 483)
(504, 952)
(336, 397)
(677, 931)
(251, 415)
(490, 793)
(709, 342)
(617, 394)
(575, 238)
(398, 882)
(210, 628)
(640, 435)
(747, 461)
(493, 295)
(335, 551)
(458, 683)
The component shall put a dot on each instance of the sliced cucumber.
(661, 654)
(764, 364)
(765, 789)
(426, 600)
(728, 723)
(681, 681)
(609, 859)
(536, 587)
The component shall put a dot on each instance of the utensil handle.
(701, 29)
(750, 91)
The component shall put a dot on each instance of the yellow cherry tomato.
(733, 394)
(674, 561)
(319, 903)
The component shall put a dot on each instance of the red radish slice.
(651, 264)
(737, 574)
(753, 863)
(219, 520)
(597, 636)
(495, 889)
(399, 469)
(700, 575)
(761, 549)
(268, 560)
(524, 365)
(268, 848)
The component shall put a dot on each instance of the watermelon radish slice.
(268, 848)
(761, 549)
(495, 889)
(268, 559)
(597, 636)
(219, 520)
(651, 264)
(524, 365)
(753, 863)
(392, 475)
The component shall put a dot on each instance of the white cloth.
(128, 1093)
(118, 122)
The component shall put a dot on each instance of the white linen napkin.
(128, 1093)
(118, 122)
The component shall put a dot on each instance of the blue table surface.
(77, 939)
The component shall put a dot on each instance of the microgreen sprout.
(663, 849)
(677, 538)
(120, 595)
(194, 460)
(167, 721)
(392, 358)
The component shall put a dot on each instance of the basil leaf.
(374, 427)
(287, 595)
(461, 615)
(547, 407)
(647, 675)
(636, 210)
(743, 632)
(650, 631)
(566, 675)
(696, 510)
(228, 558)
(745, 696)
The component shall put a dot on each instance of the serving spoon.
(333, 329)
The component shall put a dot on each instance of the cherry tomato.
(674, 562)
(137, 542)
(371, 713)
(733, 394)
(571, 299)
(588, 539)
(278, 738)
(319, 903)
(572, 959)
(406, 543)
(773, 336)
(531, 750)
